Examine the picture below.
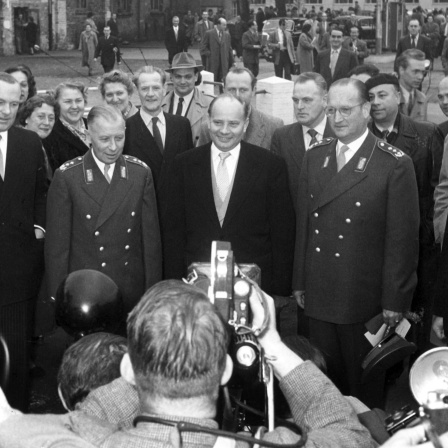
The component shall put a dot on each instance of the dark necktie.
(284, 39)
(220, 36)
(413, 42)
(385, 134)
(2, 165)
(411, 103)
(156, 134)
(179, 106)
(313, 134)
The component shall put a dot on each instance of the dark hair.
(368, 69)
(33, 103)
(119, 77)
(413, 53)
(251, 23)
(281, 22)
(29, 76)
(363, 93)
(232, 98)
(177, 342)
(241, 71)
(89, 363)
(306, 28)
(337, 28)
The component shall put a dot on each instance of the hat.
(184, 60)
(382, 78)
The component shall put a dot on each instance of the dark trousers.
(344, 348)
(204, 61)
(108, 68)
(253, 67)
(284, 63)
(16, 327)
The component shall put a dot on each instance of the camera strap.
(221, 435)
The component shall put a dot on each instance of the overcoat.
(357, 232)
(217, 53)
(346, 61)
(112, 228)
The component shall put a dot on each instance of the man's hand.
(437, 326)
(409, 437)
(258, 313)
(94, 59)
(39, 234)
(392, 318)
(300, 298)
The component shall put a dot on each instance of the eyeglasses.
(344, 111)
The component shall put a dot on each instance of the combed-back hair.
(312, 76)
(177, 342)
(368, 69)
(240, 71)
(109, 113)
(89, 363)
(33, 103)
(363, 93)
(149, 69)
(232, 98)
(412, 53)
(116, 76)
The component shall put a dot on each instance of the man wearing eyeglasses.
(357, 238)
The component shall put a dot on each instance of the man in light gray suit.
(240, 82)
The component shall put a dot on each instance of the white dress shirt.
(320, 129)
(161, 123)
(231, 162)
(102, 164)
(352, 147)
(3, 149)
(187, 100)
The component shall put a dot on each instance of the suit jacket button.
(129, 230)
(337, 255)
(126, 247)
(101, 248)
(97, 233)
(341, 237)
(126, 263)
(316, 215)
(317, 249)
(358, 204)
(88, 217)
(316, 232)
(103, 265)
(348, 220)
(133, 214)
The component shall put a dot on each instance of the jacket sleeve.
(282, 224)
(58, 232)
(298, 276)
(205, 45)
(441, 198)
(152, 245)
(97, 49)
(363, 53)
(41, 188)
(321, 411)
(275, 143)
(401, 239)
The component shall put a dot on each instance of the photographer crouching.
(167, 395)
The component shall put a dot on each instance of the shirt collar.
(320, 128)
(147, 118)
(187, 98)
(235, 151)
(356, 144)
(101, 164)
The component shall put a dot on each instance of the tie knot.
(312, 132)
(154, 121)
(181, 100)
(223, 155)
(343, 149)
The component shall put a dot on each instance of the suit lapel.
(12, 168)
(245, 176)
(201, 175)
(171, 138)
(148, 144)
(340, 64)
(118, 189)
(352, 173)
(256, 131)
(95, 184)
(296, 144)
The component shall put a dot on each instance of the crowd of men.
(344, 211)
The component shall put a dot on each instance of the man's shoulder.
(410, 124)
(20, 133)
(289, 129)
(70, 164)
(135, 164)
(260, 154)
(260, 117)
(324, 53)
(136, 118)
(176, 120)
(420, 96)
(324, 145)
(203, 98)
(390, 150)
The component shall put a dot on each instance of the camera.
(428, 379)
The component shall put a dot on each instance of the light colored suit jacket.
(197, 113)
(419, 111)
(274, 45)
(259, 132)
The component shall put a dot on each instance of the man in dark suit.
(23, 190)
(357, 238)
(108, 49)
(251, 47)
(202, 27)
(423, 143)
(282, 46)
(355, 44)
(232, 191)
(157, 146)
(216, 47)
(113, 25)
(175, 39)
(442, 96)
(335, 63)
(102, 214)
(292, 141)
(413, 40)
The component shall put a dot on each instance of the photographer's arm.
(316, 404)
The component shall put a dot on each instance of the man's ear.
(126, 370)
(228, 370)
